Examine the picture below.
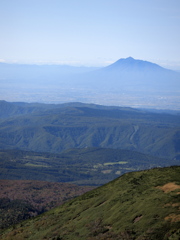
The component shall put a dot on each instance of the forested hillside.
(23, 199)
(54, 128)
(88, 166)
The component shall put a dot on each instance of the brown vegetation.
(39, 193)
(173, 218)
(169, 187)
(22, 199)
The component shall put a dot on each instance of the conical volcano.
(131, 64)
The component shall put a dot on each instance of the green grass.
(130, 207)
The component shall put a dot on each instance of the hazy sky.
(90, 32)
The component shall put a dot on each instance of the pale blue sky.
(90, 32)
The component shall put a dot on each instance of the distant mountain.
(34, 71)
(137, 76)
(139, 205)
(21, 108)
(131, 64)
(127, 82)
(54, 128)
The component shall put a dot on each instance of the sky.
(90, 32)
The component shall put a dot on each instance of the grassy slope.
(130, 207)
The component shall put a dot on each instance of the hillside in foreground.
(141, 205)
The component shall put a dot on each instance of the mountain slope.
(78, 126)
(131, 64)
(22, 199)
(138, 76)
(140, 206)
(17, 109)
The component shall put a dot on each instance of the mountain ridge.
(55, 128)
(81, 69)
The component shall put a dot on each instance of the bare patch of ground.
(173, 218)
(137, 218)
(169, 187)
(173, 205)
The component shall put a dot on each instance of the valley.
(67, 130)
(89, 120)
(75, 94)
(52, 153)
(86, 166)
(127, 82)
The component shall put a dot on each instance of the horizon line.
(166, 64)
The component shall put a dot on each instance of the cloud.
(2, 60)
